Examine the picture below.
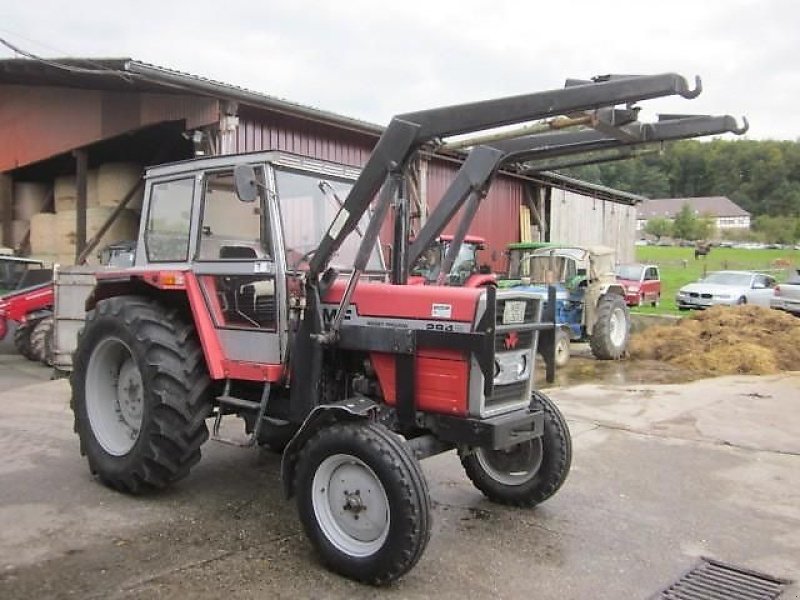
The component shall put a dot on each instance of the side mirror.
(244, 181)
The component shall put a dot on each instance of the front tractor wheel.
(609, 339)
(525, 474)
(139, 394)
(22, 339)
(363, 501)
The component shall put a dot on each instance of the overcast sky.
(372, 59)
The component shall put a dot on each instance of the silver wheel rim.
(617, 327)
(350, 505)
(562, 349)
(114, 396)
(512, 466)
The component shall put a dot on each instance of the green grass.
(678, 267)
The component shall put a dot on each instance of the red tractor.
(256, 292)
(27, 304)
(466, 270)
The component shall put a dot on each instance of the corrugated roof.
(126, 74)
(716, 206)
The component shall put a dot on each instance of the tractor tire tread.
(414, 498)
(552, 473)
(599, 341)
(178, 385)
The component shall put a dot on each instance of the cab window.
(166, 235)
(230, 229)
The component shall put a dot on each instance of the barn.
(75, 135)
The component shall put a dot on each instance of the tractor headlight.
(511, 367)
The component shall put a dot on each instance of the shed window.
(169, 221)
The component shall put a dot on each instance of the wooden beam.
(6, 209)
(81, 177)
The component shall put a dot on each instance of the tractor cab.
(17, 273)
(466, 270)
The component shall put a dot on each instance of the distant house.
(727, 214)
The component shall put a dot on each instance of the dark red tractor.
(256, 292)
(466, 269)
(26, 305)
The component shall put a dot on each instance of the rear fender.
(351, 409)
(183, 294)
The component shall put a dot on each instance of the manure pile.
(725, 340)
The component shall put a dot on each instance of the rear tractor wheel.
(363, 501)
(140, 394)
(609, 339)
(528, 473)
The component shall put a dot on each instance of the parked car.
(787, 295)
(642, 283)
(727, 287)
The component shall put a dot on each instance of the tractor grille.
(711, 579)
(503, 394)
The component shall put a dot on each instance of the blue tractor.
(590, 303)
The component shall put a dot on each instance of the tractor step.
(227, 400)
(238, 402)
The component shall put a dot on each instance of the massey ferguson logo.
(511, 341)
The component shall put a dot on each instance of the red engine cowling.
(441, 375)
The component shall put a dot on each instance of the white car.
(787, 295)
(727, 287)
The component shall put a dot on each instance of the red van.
(642, 283)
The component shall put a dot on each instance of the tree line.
(761, 176)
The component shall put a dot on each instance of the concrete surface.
(662, 474)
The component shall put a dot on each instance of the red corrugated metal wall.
(307, 138)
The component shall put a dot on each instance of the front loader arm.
(407, 132)
(473, 178)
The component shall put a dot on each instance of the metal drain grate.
(715, 580)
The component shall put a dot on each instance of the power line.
(99, 70)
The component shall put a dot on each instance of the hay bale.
(124, 228)
(115, 180)
(19, 228)
(44, 239)
(65, 191)
(29, 199)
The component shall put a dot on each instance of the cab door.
(241, 281)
